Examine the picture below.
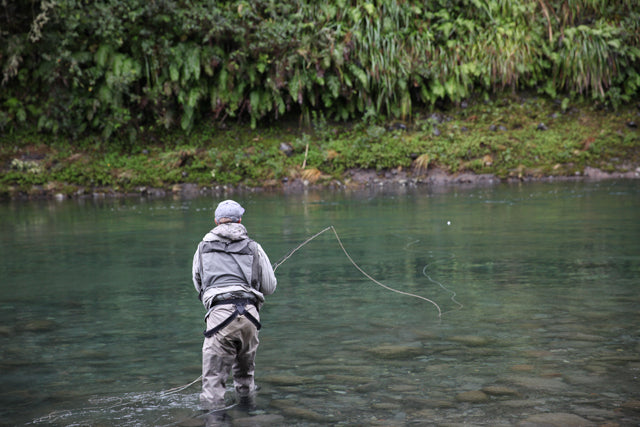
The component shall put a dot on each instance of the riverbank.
(357, 180)
(513, 138)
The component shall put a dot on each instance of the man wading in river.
(231, 273)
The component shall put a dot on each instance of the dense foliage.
(125, 66)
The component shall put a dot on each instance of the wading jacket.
(228, 261)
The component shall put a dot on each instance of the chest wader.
(245, 247)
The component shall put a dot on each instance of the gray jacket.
(211, 279)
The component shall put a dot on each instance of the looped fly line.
(286, 257)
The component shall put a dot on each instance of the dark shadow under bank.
(354, 180)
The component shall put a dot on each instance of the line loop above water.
(332, 228)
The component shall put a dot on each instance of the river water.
(519, 304)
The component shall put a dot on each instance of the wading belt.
(241, 309)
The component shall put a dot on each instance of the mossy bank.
(514, 137)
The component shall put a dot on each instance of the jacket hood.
(226, 232)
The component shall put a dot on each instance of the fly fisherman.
(231, 273)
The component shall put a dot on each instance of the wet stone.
(496, 390)
(423, 414)
(551, 374)
(259, 420)
(385, 405)
(539, 354)
(579, 336)
(475, 396)
(523, 403)
(94, 354)
(7, 365)
(350, 400)
(540, 384)
(396, 351)
(596, 369)
(631, 405)
(347, 379)
(470, 340)
(620, 359)
(594, 413)
(191, 422)
(282, 403)
(482, 351)
(382, 422)
(402, 388)
(305, 414)
(291, 389)
(40, 326)
(358, 370)
(366, 388)
(286, 380)
(585, 379)
(522, 368)
(632, 365)
(556, 420)
(64, 395)
(429, 403)
(19, 397)
(425, 335)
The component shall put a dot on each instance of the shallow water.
(537, 286)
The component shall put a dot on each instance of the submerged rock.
(189, 422)
(471, 340)
(496, 390)
(585, 379)
(523, 403)
(385, 405)
(423, 415)
(40, 326)
(475, 396)
(539, 384)
(367, 388)
(631, 405)
(402, 388)
(417, 402)
(522, 368)
(305, 414)
(396, 351)
(579, 336)
(287, 379)
(556, 420)
(282, 403)
(347, 379)
(260, 420)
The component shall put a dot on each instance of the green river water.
(537, 286)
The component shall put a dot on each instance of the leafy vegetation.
(511, 137)
(130, 70)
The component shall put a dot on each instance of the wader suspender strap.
(240, 310)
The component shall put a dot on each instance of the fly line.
(364, 273)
